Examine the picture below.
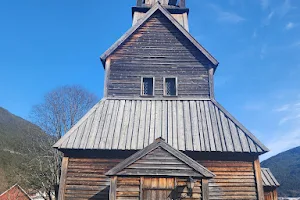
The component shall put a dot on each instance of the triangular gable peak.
(15, 192)
(150, 13)
(160, 159)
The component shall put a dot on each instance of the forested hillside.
(286, 168)
(19, 142)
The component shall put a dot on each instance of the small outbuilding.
(270, 184)
(15, 193)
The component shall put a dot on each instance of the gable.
(159, 39)
(154, 10)
(15, 192)
(159, 162)
(158, 49)
(160, 159)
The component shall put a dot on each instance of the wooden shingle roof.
(186, 125)
(168, 162)
(158, 8)
(268, 179)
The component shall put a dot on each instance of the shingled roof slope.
(268, 179)
(186, 125)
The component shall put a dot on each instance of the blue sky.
(46, 44)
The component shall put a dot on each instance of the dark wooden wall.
(234, 180)
(270, 193)
(158, 49)
(85, 178)
(139, 188)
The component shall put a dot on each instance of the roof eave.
(261, 145)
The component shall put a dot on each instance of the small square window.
(147, 86)
(170, 85)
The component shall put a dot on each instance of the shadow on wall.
(103, 194)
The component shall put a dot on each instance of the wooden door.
(158, 188)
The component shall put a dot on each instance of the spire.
(166, 3)
(177, 8)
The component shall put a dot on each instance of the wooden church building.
(159, 133)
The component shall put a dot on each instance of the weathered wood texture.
(258, 179)
(156, 188)
(86, 180)
(200, 125)
(182, 191)
(270, 193)
(64, 169)
(159, 162)
(234, 180)
(128, 188)
(158, 49)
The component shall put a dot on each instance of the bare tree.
(61, 109)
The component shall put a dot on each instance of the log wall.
(234, 180)
(158, 49)
(85, 179)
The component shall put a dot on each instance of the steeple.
(168, 3)
(177, 8)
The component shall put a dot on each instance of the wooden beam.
(107, 73)
(211, 83)
(139, 2)
(205, 189)
(141, 187)
(258, 180)
(181, 4)
(113, 188)
(63, 177)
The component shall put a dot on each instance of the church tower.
(175, 7)
(158, 133)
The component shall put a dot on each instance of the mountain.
(19, 141)
(286, 168)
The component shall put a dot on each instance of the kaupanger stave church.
(159, 133)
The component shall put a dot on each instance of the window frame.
(142, 86)
(176, 86)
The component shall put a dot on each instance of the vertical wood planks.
(205, 190)
(187, 128)
(107, 73)
(113, 188)
(195, 130)
(187, 125)
(259, 184)
(63, 176)
(117, 131)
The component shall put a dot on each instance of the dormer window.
(170, 86)
(147, 86)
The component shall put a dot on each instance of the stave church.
(159, 133)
